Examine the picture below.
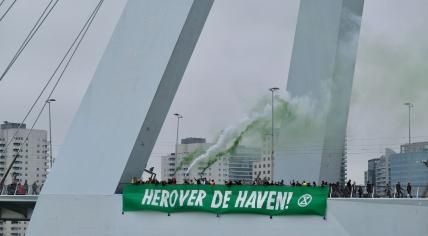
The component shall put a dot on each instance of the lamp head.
(408, 104)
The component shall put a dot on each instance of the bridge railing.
(354, 191)
(360, 191)
(16, 189)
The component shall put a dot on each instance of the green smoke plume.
(189, 158)
(257, 129)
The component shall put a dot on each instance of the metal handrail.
(383, 191)
(13, 189)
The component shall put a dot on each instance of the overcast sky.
(244, 49)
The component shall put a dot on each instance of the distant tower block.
(322, 69)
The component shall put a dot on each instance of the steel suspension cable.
(50, 79)
(79, 38)
(46, 12)
(1, 3)
(7, 10)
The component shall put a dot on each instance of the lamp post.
(410, 105)
(273, 89)
(50, 131)
(178, 127)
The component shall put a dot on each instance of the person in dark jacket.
(409, 190)
(360, 191)
(398, 189)
(369, 188)
(34, 188)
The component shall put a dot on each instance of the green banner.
(221, 199)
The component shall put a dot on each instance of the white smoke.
(231, 132)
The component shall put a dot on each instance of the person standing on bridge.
(20, 190)
(34, 188)
(369, 189)
(388, 190)
(398, 189)
(409, 190)
(26, 187)
(360, 191)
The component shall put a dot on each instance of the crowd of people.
(348, 190)
(204, 181)
(17, 188)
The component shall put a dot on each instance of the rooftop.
(11, 125)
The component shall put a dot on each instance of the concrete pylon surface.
(321, 72)
(122, 112)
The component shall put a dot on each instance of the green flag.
(221, 199)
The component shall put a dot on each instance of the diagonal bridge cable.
(7, 10)
(73, 49)
(1, 3)
(46, 12)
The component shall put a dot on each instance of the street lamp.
(410, 105)
(49, 101)
(273, 89)
(178, 127)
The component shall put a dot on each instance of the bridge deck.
(102, 215)
(17, 207)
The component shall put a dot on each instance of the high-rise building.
(263, 168)
(30, 166)
(241, 163)
(344, 166)
(404, 167)
(378, 172)
(407, 166)
(371, 171)
(235, 166)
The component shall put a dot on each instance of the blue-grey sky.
(244, 49)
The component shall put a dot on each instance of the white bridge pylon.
(122, 112)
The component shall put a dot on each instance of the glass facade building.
(408, 168)
(404, 167)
